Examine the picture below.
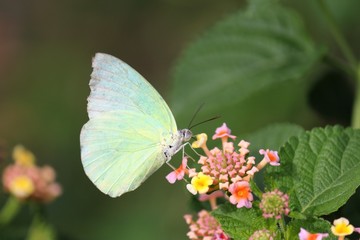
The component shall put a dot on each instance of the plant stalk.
(338, 36)
(9, 211)
(282, 226)
(355, 122)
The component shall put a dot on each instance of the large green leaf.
(241, 223)
(251, 68)
(320, 169)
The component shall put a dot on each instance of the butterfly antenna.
(196, 112)
(207, 120)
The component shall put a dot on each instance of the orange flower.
(178, 173)
(270, 156)
(241, 194)
(305, 235)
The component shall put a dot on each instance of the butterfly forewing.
(115, 86)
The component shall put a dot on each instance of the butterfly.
(131, 131)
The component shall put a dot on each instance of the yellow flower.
(342, 227)
(22, 186)
(200, 183)
(23, 157)
(200, 140)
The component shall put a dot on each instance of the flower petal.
(191, 189)
(171, 177)
(223, 131)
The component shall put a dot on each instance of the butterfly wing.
(115, 85)
(121, 143)
(120, 149)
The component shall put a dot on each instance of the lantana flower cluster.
(225, 172)
(274, 204)
(226, 168)
(25, 180)
(205, 227)
(262, 234)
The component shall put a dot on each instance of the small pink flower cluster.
(224, 169)
(227, 166)
(205, 227)
(25, 180)
(274, 204)
(262, 234)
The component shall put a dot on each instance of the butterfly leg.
(173, 168)
(195, 150)
(183, 148)
(183, 151)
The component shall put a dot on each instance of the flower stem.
(9, 211)
(213, 203)
(338, 36)
(282, 226)
(255, 189)
(40, 229)
(355, 122)
(354, 69)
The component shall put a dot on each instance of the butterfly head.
(186, 135)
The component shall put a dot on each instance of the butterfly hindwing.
(120, 149)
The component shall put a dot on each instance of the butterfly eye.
(187, 134)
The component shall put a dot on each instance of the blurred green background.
(45, 64)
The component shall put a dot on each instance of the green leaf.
(296, 215)
(320, 169)
(241, 223)
(9, 210)
(313, 225)
(245, 66)
(255, 189)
